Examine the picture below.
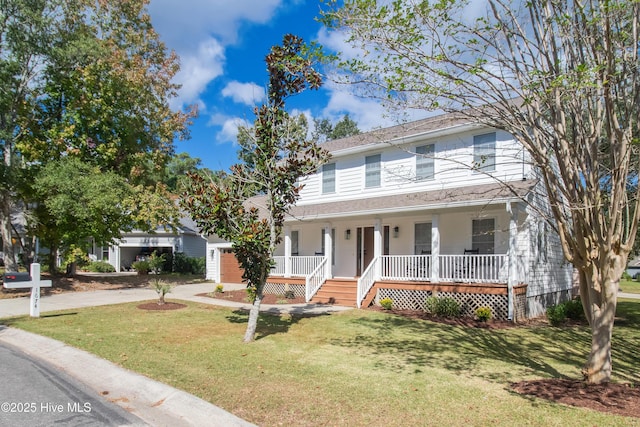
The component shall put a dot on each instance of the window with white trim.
(422, 236)
(372, 171)
(294, 243)
(329, 178)
(424, 162)
(483, 232)
(484, 152)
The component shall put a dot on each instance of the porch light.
(396, 231)
(347, 234)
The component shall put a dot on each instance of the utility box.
(16, 277)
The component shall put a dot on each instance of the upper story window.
(483, 235)
(424, 162)
(484, 152)
(372, 171)
(329, 178)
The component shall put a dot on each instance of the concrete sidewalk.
(155, 403)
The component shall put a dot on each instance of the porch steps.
(337, 291)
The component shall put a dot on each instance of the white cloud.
(245, 93)
(229, 127)
(199, 31)
(197, 70)
(181, 24)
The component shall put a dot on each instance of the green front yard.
(356, 368)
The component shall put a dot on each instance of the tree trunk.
(598, 292)
(10, 263)
(252, 324)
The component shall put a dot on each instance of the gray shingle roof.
(477, 195)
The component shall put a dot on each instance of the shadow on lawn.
(540, 350)
(271, 322)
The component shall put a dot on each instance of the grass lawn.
(630, 286)
(356, 368)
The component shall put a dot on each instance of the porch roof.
(476, 195)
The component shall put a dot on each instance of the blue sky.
(222, 45)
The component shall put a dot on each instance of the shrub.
(626, 276)
(483, 314)
(219, 289)
(188, 265)
(156, 262)
(142, 267)
(100, 267)
(556, 314)
(386, 303)
(444, 306)
(574, 310)
(289, 294)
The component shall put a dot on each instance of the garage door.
(230, 271)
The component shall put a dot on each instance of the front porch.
(473, 280)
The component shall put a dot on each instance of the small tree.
(248, 206)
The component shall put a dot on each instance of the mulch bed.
(154, 306)
(619, 399)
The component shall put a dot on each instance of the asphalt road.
(33, 393)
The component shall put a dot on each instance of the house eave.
(405, 140)
(404, 210)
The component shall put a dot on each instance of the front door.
(365, 252)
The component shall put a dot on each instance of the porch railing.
(406, 267)
(301, 266)
(315, 280)
(452, 268)
(474, 268)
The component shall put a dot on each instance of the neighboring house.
(418, 210)
(633, 268)
(137, 244)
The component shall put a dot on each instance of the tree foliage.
(561, 76)
(89, 81)
(248, 206)
(325, 131)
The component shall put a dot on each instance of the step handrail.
(366, 281)
(314, 281)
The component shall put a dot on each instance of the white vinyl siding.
(372, 171)
(484, 152)
(329, 178)
(424, 162)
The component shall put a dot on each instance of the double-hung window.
(329, 178)
(372, 171)
(424, 162)
(483, 235)
(484, 152)
(422, 236)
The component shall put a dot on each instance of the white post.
(287, 251)
(435, 248)
(328, 252)
(35, 284)
(513, 268)
(377, 247)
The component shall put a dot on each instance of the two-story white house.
(440, 206)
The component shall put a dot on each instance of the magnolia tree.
(248, 206)
(561, 76)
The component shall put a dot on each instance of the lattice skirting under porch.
(409, 299)
(281, 288)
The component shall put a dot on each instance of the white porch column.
(287, 251)
(435, 248)
(328, 249)
(377, 246)
(513, 261)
